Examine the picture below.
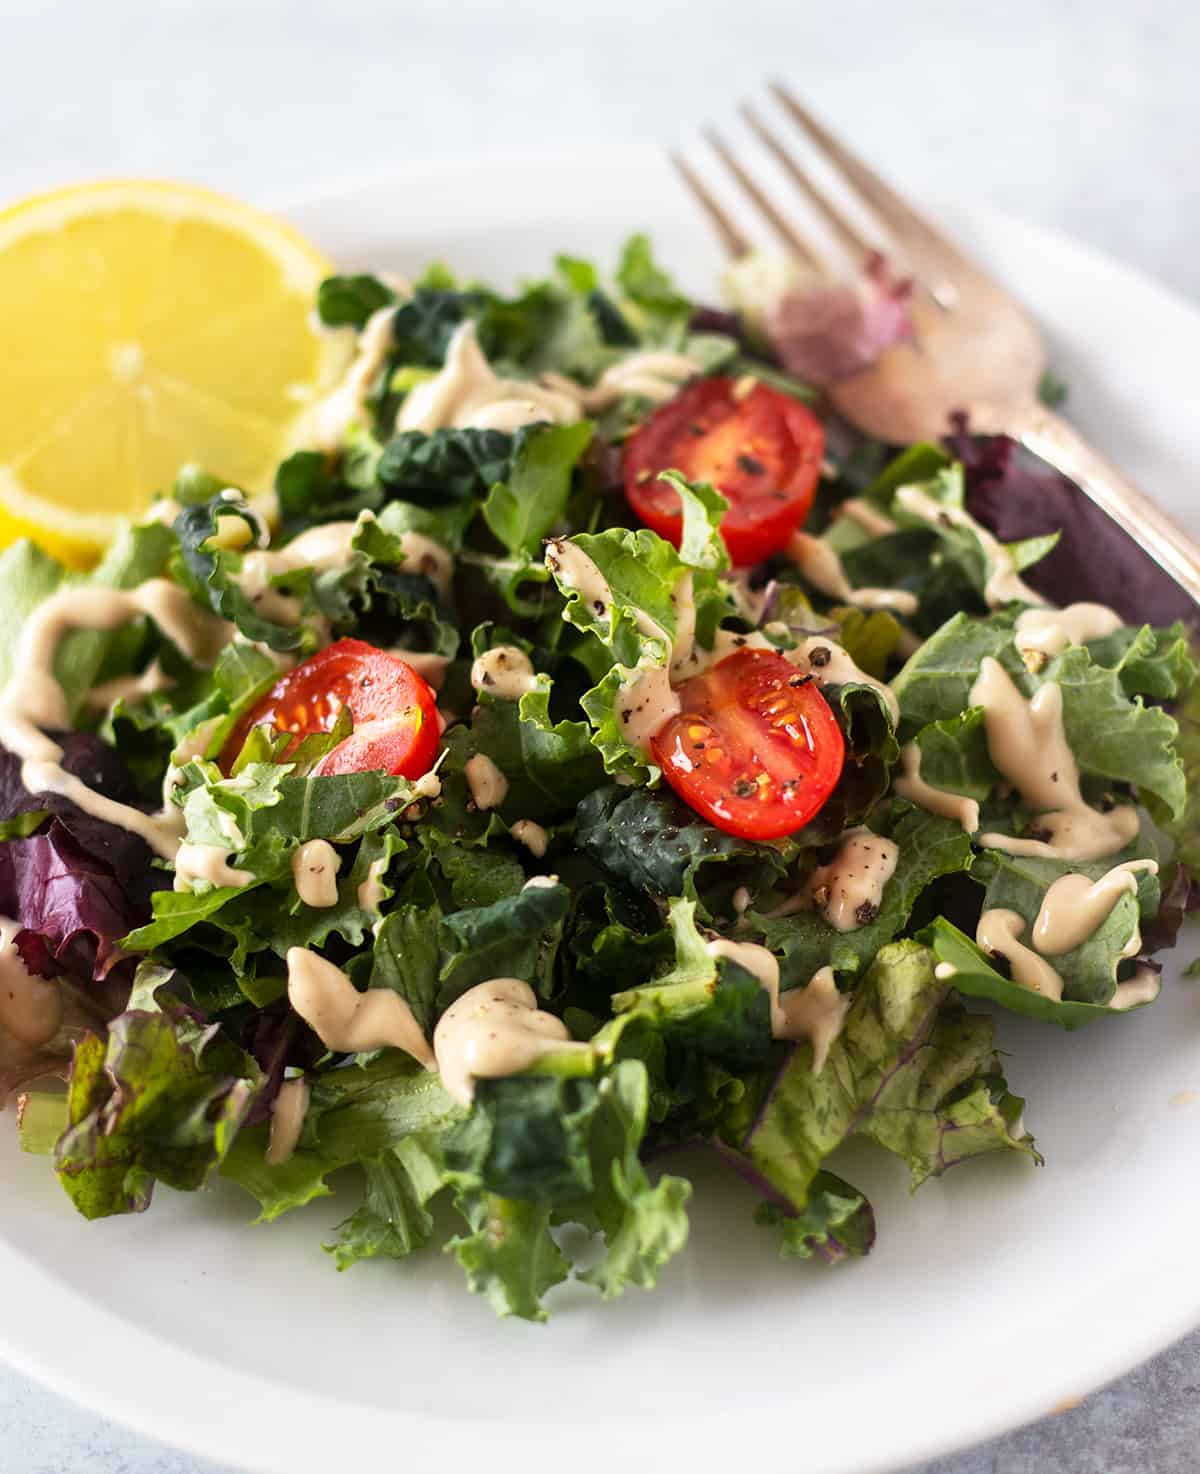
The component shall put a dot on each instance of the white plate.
(992, 1296)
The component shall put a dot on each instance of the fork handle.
(1056, 442)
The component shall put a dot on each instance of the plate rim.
(115, 1395)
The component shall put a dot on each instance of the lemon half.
(146, 325)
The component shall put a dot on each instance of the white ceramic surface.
(992, 1296)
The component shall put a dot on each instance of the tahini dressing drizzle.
(1048, 632)
(816, 1012)
(345, 1019)
(504, 671)
(347, 404)
(849, 890)
(1071, 910)
(467, 393)
(821, 565)
(33, 700)
(495, 1029)
(31, 1007)
(912, 786)
(861, 512)
(487, 783)
(315, 867)
(1028, 745)
(531, 835)
(287, 1120)
(1075, 906)
(1004, 585)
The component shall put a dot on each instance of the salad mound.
(584, 753)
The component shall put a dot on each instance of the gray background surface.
(1081, 116)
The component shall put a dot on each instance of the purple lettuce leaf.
(828, 330)
(75, 907)
(88, 758)
(159, 1099)
(1018, 496)
(1180, 896)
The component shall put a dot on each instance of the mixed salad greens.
(598, 754)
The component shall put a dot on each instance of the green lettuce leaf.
(1150, 662)
(975, 976)
(1089, 972)
(509, 1256)
(929, 846)
(652, 841)
(517, 937)
(347, 301)
(522, 510)
(394, 1219)
(644, 1224)
(1185, 829)
(407, 959)
(834, 1223)
(159, 1100)
(449, 466)
(961, 544)
(356, 1113)
(911, 1070)
(1112, 736)
(527, 1136)
(28, 576)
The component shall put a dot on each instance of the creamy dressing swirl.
(913, 787)
(31, 1007)
(821, 565)
(816, 1012)
(504, 671)
(315, 867)
(1004, 585)
(998, 933)
(466, 393)
(1048, 632)
(345, 1019)
(495, 1029)
(287, 1120)
(1028, 745)
(488, 785)
(829, 664)
(209, 864)
(651, 373)
(33, 700)
(849, 890)
(531, 835)
(865, 515)
(1075, 906)
(347, 404)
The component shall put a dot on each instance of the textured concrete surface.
(1081, 115)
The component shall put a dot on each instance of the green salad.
(587, 751)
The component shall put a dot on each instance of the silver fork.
(974, 348)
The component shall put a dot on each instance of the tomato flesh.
(755, 747)
(762, 450)
(396, 726)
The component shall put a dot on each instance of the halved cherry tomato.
(755, 747)
(396, 726)
(762, 450)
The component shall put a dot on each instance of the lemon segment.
(147, 325)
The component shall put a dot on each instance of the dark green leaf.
(348, 301)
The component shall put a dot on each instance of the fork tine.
(735, 243)
(781, 225)
(853, 240)
(915, 231)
